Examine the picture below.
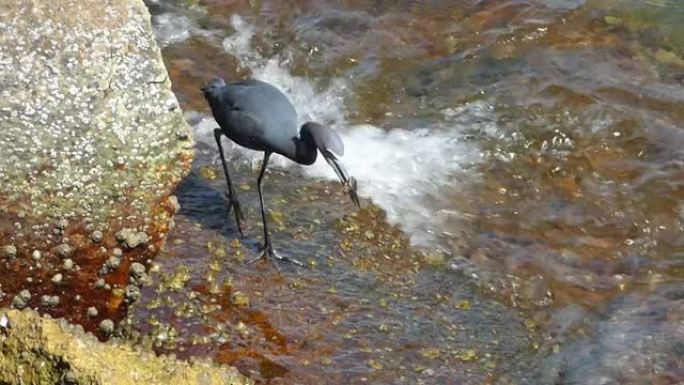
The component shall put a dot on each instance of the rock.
(99, 93)
(132, 238)
(21, 300)
(110, 265)
(64, 250)
(70, 377)
(68, 264)
(173, 202)
(239, 298)
(613, 20)
(92, 312)
(99, 284)
(137, 273)
(9, 251)
(50, 300)
(36, 254)
(533, 289)
(132, 293)
(117, 252)
(113, 263)
(106, 326)
(89, 129)
(96, 236)
(38, 350)
(62, 224)
(57, 278)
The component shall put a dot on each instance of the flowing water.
(521, 164)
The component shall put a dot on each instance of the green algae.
(38, 351)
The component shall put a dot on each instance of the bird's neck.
(213, 95)
(306, 151)
(214, 99)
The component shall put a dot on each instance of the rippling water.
(529, 151)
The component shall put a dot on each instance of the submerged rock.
(39, 350)
(239, 298)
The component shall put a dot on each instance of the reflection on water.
(529, 152)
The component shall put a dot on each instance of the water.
(527, 158)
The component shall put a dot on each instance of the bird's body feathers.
(256, 115)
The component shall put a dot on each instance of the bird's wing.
(251, 96)
(242, 128)
(258, 116)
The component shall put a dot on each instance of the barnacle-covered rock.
(93, 141)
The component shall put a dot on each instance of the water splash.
(173, 24)
(400, 170)
(326, 105)
(676, 5)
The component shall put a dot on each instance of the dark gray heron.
(256, 115)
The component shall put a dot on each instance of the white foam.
(172, 27)
(312, 105)
(400, 170)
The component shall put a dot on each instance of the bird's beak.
(348, 182)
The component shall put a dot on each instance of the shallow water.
(527, 161)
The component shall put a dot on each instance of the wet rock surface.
(42, 350)
(555, 259)
(572, 218)
(93, 144)
(364, 303)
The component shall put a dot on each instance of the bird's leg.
(268, 250)
(232, 197)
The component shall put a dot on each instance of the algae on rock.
(42, 350)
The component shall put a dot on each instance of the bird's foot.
(269, 253)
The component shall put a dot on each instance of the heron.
(256, 115)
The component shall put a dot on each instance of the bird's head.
(212, 86)
(330, 144)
